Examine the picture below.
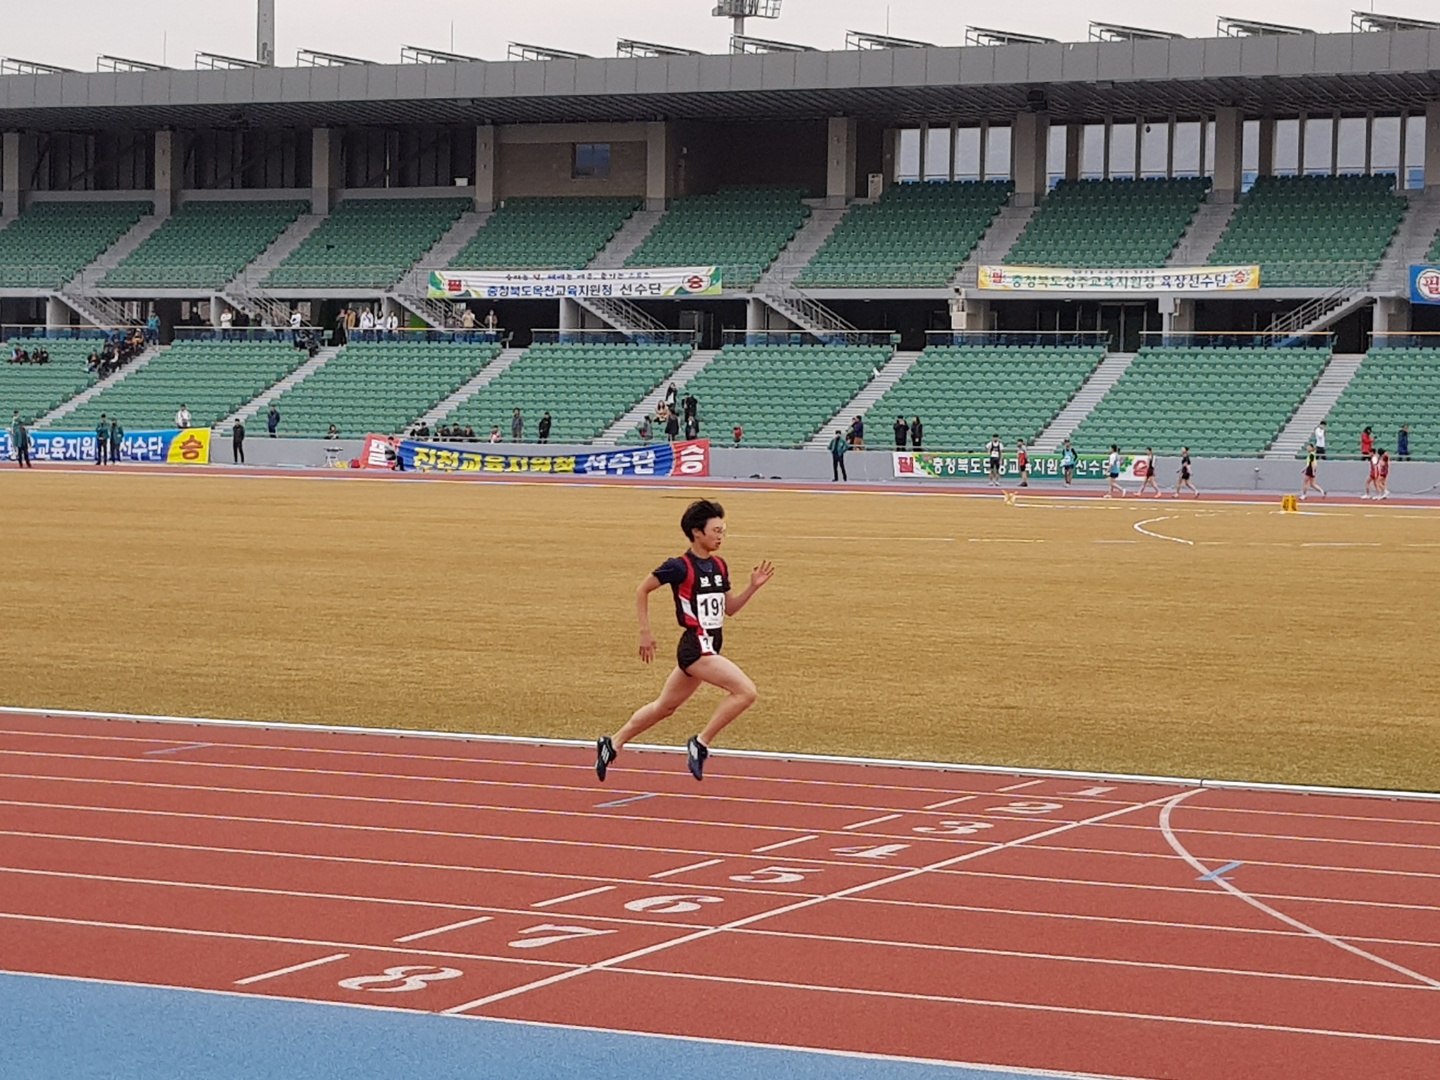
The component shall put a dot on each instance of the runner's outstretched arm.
(758, 577)
(642, 613)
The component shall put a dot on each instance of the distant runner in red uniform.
(700, 581)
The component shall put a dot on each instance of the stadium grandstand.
(851, 208)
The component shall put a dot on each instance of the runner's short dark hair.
(697, 515)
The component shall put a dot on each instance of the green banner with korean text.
(962, 466)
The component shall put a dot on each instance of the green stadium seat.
(1109, 223)
(1392, 387)
(741, 230)
(367, 243)
(204, 244)
(51, 242)
(545, 234)
(38, 389)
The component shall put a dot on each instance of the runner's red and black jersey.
(699, 586)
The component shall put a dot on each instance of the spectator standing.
(1402, 443)
(337, 336)
(296, 322)
(543, 430)
(182, 418)
(739, 434)
(20, 439)
(227, 322)
(1367, 442)
(517, 427)
(838, 445)
(117, 436)
(237, 443)
(492, 321)
(467, 319)
(857, 433)
(272, 420)
(917, 434)
(689, 406)
(367, 320)
(1320, 439)
(672, 425)
(902, 432)
(692, 425)
(670, 398)
(645, 431)
(152, 329)
(102, 440)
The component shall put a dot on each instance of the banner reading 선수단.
(949, 466)
(1168, 279)
(629, 283)
(189, 446)
(661, 460)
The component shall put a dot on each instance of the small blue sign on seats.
(1425, 284)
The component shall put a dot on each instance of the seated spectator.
(423, 430)
(495, 434)
(92, 362)
(469, 433)
(40, 356)
(443, 431)
(333, 433)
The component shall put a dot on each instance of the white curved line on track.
(1140, 528)
(1241, 894)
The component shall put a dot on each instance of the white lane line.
(1001, 540)
(1018, 787)
(800, 905)
(444, 929)
(574, 896)
(873, 821)
(1140, 528)
(291, 969)
(1371, 1036)
(1336, 544)
(178, 749)
(684, 869)
(950, 802)
(1174, 841)
(783, 843)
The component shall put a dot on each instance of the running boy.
(1112, 472)
(700, 581)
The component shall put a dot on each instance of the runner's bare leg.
(678, 689)
(740, 692)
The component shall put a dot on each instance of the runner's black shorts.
(688, 651)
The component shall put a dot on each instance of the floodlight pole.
(265, 32)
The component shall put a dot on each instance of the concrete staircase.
(626, 240)
(90, 393)
(453, 242)
(484, 378)
(94, 309)
(1198, 241)
(647, 405)
(796, 255)
(995, 244)
(898, 364)
(250, 409)
(1100, 382)
(1316, 406)
(280, 249)
(1410, 243)
(88, 280)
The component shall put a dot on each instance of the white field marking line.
(445, 929)
(1338, 544)
(1174, 841)
(1310, 814)
(1018, 787)
(1181, 889)
(786, 909)
(388, 901)
(441, 905)
(1072, 1010)
(523, 840)
(1001, 540)
(1388, 872)
(1117, 541)
(587, 790)
(872, 821)
(949, 802)
(916, 539)
(685, 869)
(1004, 1070)
(291, 969)
(782, 844)
(99, 924)
(574, 896)
(1140, 528)
(757, 755)
(178, 749)
(841, 939)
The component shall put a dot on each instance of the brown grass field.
(1049, 633)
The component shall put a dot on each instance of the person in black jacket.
(544, 429)
(917, 433)
(902, 431)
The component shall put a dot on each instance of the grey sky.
(375, 29)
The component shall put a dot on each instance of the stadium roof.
(1078, 82)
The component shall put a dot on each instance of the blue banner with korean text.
(190, 446)
(659, 461)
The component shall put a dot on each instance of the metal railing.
(806, 337)
(1237, 339)
(991, 338)
(662, 336)
(42, 276)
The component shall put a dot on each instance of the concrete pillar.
(757, 315)
(485, 161)
(217, 308)
(890, 156)
(1074, 148)
(1267, 146)
(969, 312)
(1229, 155)
(56, 313)
(659, 165)
(840, 161)
(169, 171)
(326, 178)
(1177, 315)
(1432, 146)
(1392, 316)
(1029, 143)
(19, 154)
(570, 314)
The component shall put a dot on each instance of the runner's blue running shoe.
(605, 753)
(695, 755)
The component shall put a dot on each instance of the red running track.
(1083, 926)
